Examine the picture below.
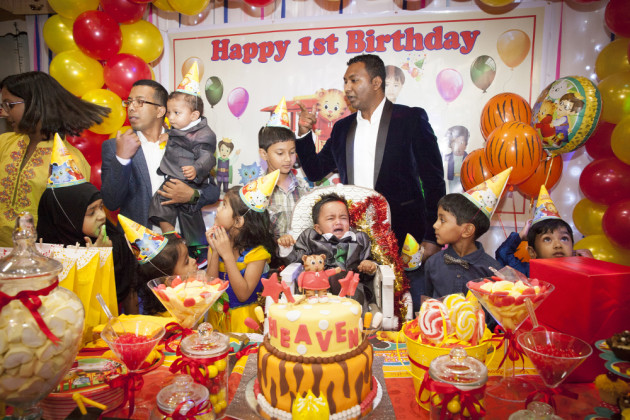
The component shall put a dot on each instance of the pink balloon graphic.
(237, 101)
(449, 84)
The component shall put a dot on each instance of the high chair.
(383, 279)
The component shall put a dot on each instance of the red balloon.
(598, 144)
(617, 17)
(150, 1)
(548, 170)
(124, 11)
(89, 143)
(122, 71)
(95, 177)
(616, 223)
(606, 181)
(258, 3)
(97, 34)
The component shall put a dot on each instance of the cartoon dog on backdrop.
(331, 107)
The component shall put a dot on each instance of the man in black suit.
(389, 148)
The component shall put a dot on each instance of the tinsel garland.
(370, 216)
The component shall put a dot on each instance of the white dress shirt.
(365, 147)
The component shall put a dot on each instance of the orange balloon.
(548, 170)
(188, 64)
(517, 145)
(474, 169)
(513, 46)
(503, 108)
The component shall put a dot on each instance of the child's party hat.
(280, 117)
(144, 243)
(412, 253)
(63, 168)
(545, 209)
(256, 194)
(486, 195)
(190, 82)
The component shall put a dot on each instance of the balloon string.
(548, 171)
(559, 55)
(513, 211)
(502, 227)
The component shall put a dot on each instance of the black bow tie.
(345, 240)
(448, 259)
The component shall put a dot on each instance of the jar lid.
(207, 343)
(25, 261)
(182, 390)
(458, 369)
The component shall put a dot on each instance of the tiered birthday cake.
(315, 357)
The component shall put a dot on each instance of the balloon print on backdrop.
(547, 173)
(188, 64)
(72, 8)
(76, 72)
(482, 72)
(97, 34)
(237, 101)
(588, 216)
(502, 108)
(449, 84)
(474, 169)
(513, 47)
(620, 140)
(122, 71)
(566, 113)
(124, 11)
(214, 90)
(57, 34)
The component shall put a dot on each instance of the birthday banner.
(448, 63)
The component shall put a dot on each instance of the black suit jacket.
(406, 154)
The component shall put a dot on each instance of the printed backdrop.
(450, 64)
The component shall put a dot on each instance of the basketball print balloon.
(502, 108)
(517, 145)
(474, 169)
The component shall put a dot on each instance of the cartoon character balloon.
(237, 101)
(449, 84)
(566, 113)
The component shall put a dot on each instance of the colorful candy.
(455, 316)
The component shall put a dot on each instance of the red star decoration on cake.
(271, 287)
(287, 292)
(349, 284)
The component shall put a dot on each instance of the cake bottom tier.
(344, 380)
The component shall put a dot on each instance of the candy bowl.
(507, 302)
(188, 299)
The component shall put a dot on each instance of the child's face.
(179, 113)
(333, 218)
(94, 219)
(224, 151)
(280, 156)
(225, 215)
(392, 88)
(185, 264)
(447, 231)
(556, 244)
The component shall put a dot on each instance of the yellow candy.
(214, 399)
(221, 364)
(368, 321)
(220, 406)
(453, 406)
(259, 314)
(212, 371)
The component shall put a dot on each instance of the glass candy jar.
(457, 386)
(183, 398)
(210, 350)
(41, 324)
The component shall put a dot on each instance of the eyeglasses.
(137, 102)
(7, 106)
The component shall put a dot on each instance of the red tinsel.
(373, 210)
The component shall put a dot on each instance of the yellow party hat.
(256, 194)
(545, 209)
(412, 253)
(280, 117)
(486, 195)
(190, 82)
(63, 168)
(144, 243)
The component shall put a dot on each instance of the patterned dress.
(21, 189)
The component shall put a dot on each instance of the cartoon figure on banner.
(457, 137)
(413, 65)
(250, 172)
(224, 169)
(331, 107)
(394, 81)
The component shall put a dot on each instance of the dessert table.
(399, 401)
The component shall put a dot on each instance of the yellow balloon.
(513, 46)
(77, 72)
(615, 91)
(108, 99)
(58, 34)
(189, 7)
(620, 140)
(587, 217)
(613, 58)
(497, 3)
(163, 5)
(72, 8)
(152, 73)
(143, 39)
(603, 250)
